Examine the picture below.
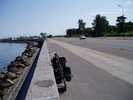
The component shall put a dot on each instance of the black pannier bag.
(61, 71)
(58, 77)
(67, 73)
(66, 69)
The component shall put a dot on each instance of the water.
(8, 52)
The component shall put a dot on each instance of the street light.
(122, 9)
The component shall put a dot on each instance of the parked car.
(82, 37)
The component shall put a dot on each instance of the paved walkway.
(91, 81)
(122, 48)
(118, 66)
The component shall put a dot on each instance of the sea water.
(8, 52)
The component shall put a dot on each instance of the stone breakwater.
(12, 80)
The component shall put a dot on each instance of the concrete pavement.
(122, 48)
(118, 66)
(90, 81)
(43, 85)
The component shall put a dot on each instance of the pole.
(122, 9)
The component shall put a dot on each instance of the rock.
(10, 75)
(5, 83)
(2, 93)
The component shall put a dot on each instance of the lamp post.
(122, 9)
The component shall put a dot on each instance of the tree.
(88, 32)
(50, 36)
(72, 32)
(100, 25)
(121, 23)
(69, 32)
(81, 24)
(43, 35)
(81, 27)
(128, 26)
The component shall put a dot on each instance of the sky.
(30, 17)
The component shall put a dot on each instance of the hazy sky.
(29, 17)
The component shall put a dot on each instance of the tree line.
(101, 27)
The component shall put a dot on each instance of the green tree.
(88, 32)
(72, 32)
(81, 27)
(128, 26)
(43, 35)
(81, 24)
(100, 25)
(121, 23)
